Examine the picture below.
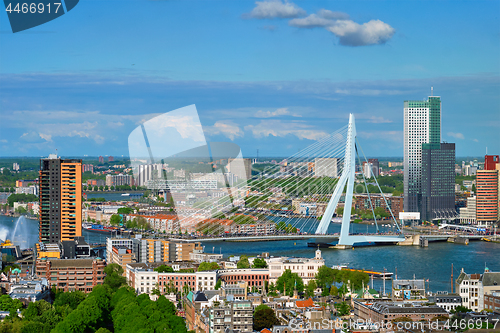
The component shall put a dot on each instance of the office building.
(72, 274)
(60, 199)
(468, 213)
(326, 167)
(422, 124)
(437, 192)
(487, 194)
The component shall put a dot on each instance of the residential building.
(71, 274)
(403, 289)
(253, 277)
(101, 159)
(437, 191)
(26, 183)
(15, 166)
(384, 312)
(88, 168)
(144, 173)
(446, 301)
(111, 159)
(487, 193)
(306, 268)
(118, 180)
(147, 250)
(422, 124)
(375, 166)
(33, 189)
(30, 290)
(60, 199)
(492, 301)
(232, 316)
(327, 167)
(144, 279)
(395, 203)
(470, 288)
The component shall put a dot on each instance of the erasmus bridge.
(319, 176)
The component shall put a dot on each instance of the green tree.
(164, 269)
(243, 262)
(114, 276)
(290, 281)
(259, 263)
(311, 287)
(125, 210)
(71, 298)
(343, 308)
(115, 219)
(264, 317)
(208, 266)
(218, 284)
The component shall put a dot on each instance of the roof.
(265, 330)
(491, 279)
(77, 263)
(304, 304)
(199, 297)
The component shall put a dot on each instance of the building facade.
(71, 274)
(326, 167)
(437, 192)
(306, 268)
(60, 199)
(487, 188)
(422, 124)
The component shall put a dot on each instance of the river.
(433, 262)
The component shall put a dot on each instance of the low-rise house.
(30, 290)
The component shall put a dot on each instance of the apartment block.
(60, 199)
(71, 274)
(235, 316)
(487, 194)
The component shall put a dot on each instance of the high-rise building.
(60, 199)
(15, 166)
(422, 124)
(490, 162)
(87, 167)
(437, 190)
(111, 159)
(375, 166)
(101, 159)
(487, 192)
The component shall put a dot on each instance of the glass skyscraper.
(422, 131)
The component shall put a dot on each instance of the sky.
(269, 75)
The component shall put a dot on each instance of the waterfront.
(433, 262)
(115, 196)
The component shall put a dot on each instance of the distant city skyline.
(267, 75)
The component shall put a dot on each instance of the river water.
(433, 262)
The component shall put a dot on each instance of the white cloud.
(311, 21)
(475, 140)
(277, 113)
(226, 128)
(276, 9)
(351, 33)
(3, 141)
(456, 135)
(280, 129)
(324, 18)
(328, 14)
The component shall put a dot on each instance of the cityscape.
(248, 190)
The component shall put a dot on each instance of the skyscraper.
(438, 181)
(60, 199)
(422, 124)
(429, 165)
(487, 188)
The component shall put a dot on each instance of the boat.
(125, 194)
(336, 220)
(98, 228)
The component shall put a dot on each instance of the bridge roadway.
(430, 237)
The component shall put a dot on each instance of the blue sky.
(267, 75)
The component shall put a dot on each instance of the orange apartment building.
(60, 199)
(487, 188)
